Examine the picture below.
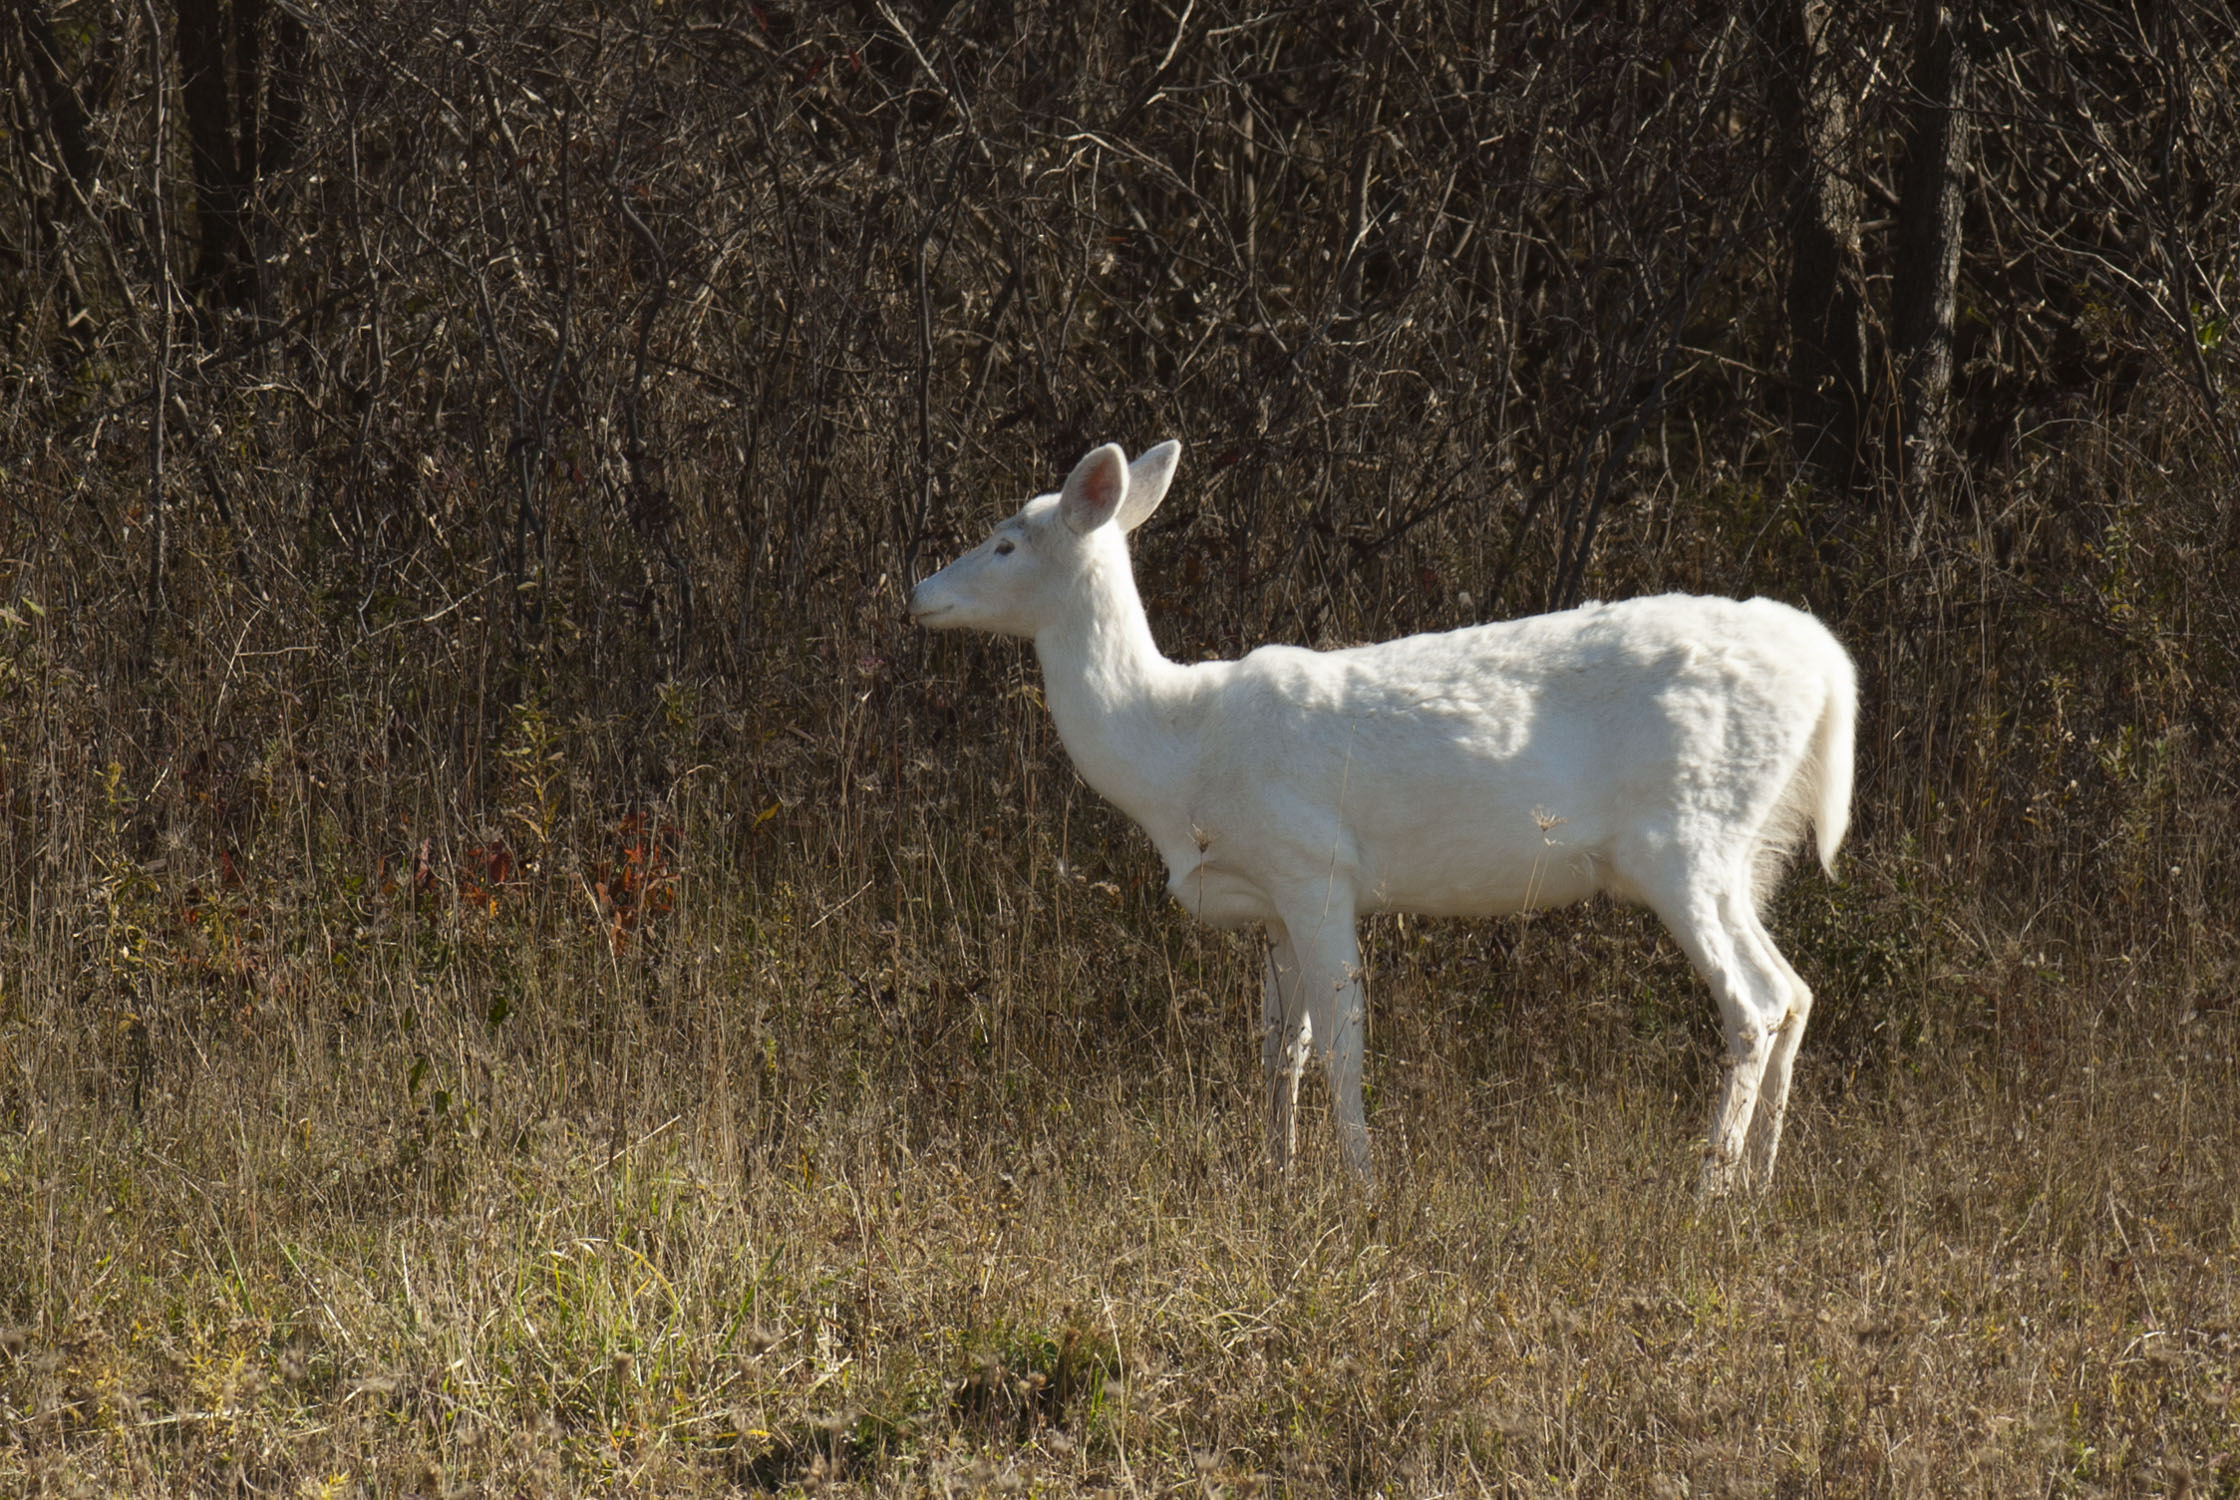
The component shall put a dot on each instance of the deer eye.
(1003, 548)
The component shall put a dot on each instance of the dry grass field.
(452, 1181)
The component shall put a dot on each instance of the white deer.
(1669, 751)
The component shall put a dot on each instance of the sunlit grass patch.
(965, 1250)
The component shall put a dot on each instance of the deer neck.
(1119, 705)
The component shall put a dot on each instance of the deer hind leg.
(1713, 922)
(1773, 1094)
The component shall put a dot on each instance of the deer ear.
(1148, 478)
(1094, 490)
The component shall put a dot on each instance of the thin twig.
(160, 377)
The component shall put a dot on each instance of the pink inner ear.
(1094, 490)
(1104, 487)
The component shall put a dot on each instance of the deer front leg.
(1285, 1036)
(1333, 1004)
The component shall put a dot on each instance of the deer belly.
(1479, 882)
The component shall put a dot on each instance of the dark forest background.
(620, 366)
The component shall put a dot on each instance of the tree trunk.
(1827, 369)
(1928, 264)
(227, 81)
(66, 114)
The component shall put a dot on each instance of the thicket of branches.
(381, 380)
